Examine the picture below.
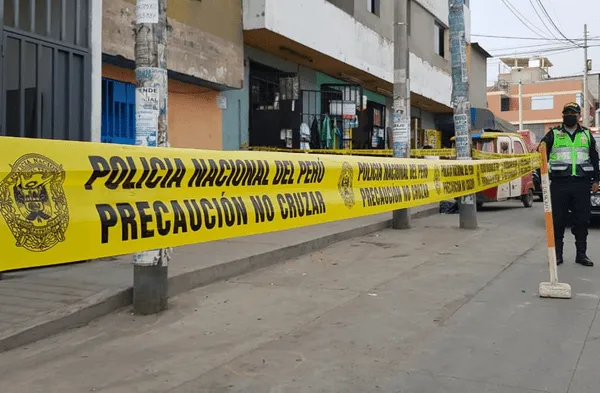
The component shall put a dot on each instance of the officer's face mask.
(570, 120)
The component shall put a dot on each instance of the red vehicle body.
(521, 189)
(518, 189)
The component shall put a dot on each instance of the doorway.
(274, 107)
(46, 84)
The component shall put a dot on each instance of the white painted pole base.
(558, 290)
(553, 289)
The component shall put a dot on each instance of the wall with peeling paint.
(438, 8)
(206, 40)
(382, 24)
(338, 34)
(430, 81)
(477, 79)
(194, 119)
(421, 39)
(322, 26)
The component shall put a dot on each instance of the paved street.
(429, 310)
(38, 303)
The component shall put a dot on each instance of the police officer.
(573, 165)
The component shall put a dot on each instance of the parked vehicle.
(595, 198)
(530, 139)
(537, 184)
(505, 143)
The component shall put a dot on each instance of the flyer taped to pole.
(64, 201)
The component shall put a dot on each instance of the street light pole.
(520, 105)
(150, 272)
(401, 105)
(461, 104)
(586, 110)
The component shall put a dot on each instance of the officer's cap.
(572, 107)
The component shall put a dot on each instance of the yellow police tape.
(484, 155)
(70, 201)
(443, 153)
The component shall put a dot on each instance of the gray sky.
(493, 17)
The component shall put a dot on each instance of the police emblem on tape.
(437, 180)
(345, 185)
(33, 202)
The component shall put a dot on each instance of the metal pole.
(150, 270)
(461, 104)
(520, 105)
(401, 105)
(586, 110)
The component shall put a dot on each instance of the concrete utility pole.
(150, 267)
(520, 105)
(585, 109)
(401, 105)
(461, 104)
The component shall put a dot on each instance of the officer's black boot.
(559, 252)
(582, 257)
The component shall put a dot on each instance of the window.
(486, 145)
(48, 18)
(118, 112)
(504, 104)
(504, 145)
(439, 39)
(542, 102)
(373, 6)
(518, 148)
(579, 99)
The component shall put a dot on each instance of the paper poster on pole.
(146, 11)
(400, 134)
(147, 111)
(461, 130)
(463, 60)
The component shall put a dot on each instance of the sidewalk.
(437, 310)
(38, 303)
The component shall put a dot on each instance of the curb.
(110, 300)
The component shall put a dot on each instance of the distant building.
(543, 96)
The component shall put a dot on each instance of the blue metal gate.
(118, 112)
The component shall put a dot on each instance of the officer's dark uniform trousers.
(571, 193)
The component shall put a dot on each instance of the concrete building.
(333, 51)
(69, 69)
(593, 84)
(240, 72)
(543, 96)
(477, 69)
(205, 57)
(481, 117)
(48, 49)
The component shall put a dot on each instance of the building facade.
(68, 69)
(46, 85)
(204, 54)
(344, 54)
(543, 97)
(240, 72)
(477, 69)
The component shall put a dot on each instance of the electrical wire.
(524, 46)
(554, 24)
(542, 20)
(553, 51)
(597, 38)
(548, 51)
(520, 17)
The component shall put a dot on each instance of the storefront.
(46, 69)
(193, 113)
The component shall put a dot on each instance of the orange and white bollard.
(553, 288)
